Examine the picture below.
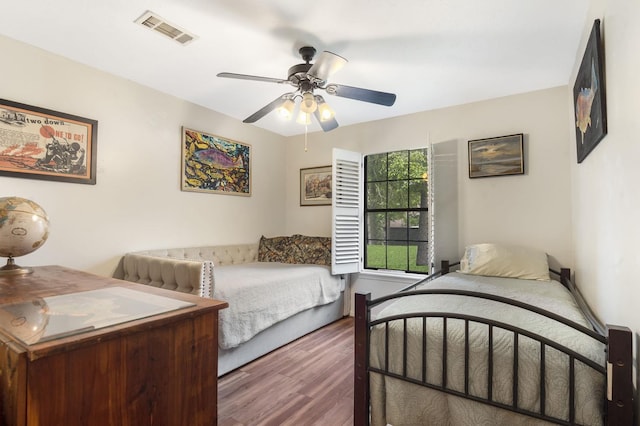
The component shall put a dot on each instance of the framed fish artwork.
(215, 164)
(589, 96)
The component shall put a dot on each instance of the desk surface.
(55, 285)
(157, 369)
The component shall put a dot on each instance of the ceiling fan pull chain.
(306, 127)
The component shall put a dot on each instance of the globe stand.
(12, 269)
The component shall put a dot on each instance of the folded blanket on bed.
(264, 293)
(400, 403)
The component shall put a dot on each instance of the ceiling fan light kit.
(286, 110)
(306, 78)
(326, 113)
(304, 118)
(308, 103)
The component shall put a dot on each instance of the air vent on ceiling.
(156, 23)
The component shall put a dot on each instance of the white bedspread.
(397, 402)
(264, 293)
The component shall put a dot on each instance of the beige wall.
(137, 203)
(532, 209)
(606, 200)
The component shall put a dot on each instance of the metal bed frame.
(618, 406)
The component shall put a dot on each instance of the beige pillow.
(502, 260)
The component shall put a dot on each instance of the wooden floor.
(308, 382)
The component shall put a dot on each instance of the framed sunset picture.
(499, 156)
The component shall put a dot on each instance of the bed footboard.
(619, 376)
(361, 365)
(619, 408)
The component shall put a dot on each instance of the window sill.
(399, 275)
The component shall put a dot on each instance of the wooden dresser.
(156, 370)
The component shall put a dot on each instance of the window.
(426, 188)
(396, 213)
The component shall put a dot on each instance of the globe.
(24, 227)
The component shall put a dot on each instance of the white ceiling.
(431, 53)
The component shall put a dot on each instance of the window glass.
(376, 255)
(377, 170)
(376, 195)
(398, 195)
(396, 211)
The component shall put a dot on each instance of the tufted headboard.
(219, 255)
(189, 270)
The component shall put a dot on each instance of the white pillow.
(500, 260)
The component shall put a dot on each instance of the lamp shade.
(303, 117)
(326, 113)
(286, 109)
(308, 103)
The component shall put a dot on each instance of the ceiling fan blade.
(265, 110)
(365, 95)
(326, 125)
(326, 64)
(252, 77)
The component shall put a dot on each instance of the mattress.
(263, 293)
(397, 402)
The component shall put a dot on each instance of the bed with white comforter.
(262, 294)
(396, 402)
(496, 343)
(278, 289)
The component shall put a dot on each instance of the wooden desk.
(160, 370)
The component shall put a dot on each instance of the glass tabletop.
(49, 318)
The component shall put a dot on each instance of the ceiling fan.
(306, 78)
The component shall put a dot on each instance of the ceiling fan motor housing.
(307, 53)
(298, 73)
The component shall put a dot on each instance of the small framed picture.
(315, 186)
(499, 156)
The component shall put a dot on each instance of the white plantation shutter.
(444, 206)
(431, 205)
(346, 227)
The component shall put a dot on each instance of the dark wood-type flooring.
(307, 382)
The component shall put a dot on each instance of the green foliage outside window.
(396, 211)
(394, 258)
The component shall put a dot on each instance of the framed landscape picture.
(215, 164)
(315, 186)
(499, 156)
(39, 143)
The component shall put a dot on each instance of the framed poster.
(215, 164)
(499, 156)
(315, 186)
(39, 143)
(589, 96)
